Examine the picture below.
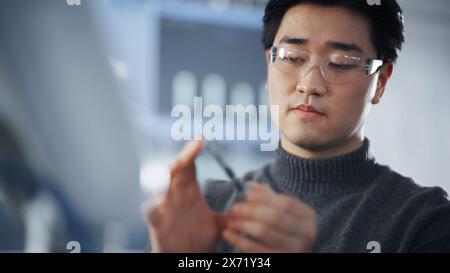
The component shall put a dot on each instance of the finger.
(244, 244)
(262, 233)
(153, 216)
(183, 170)
(187, 155)
(148, 207)
(257, 185)
(221, 220)
(257, 188)
(266, 215)
(282, 203)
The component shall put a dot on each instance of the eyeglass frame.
(372, 65)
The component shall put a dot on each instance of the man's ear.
(383, 78)
(266, 86)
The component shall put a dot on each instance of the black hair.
(386, 22)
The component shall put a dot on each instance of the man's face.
(343, 106)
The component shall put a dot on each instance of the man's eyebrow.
(344, 46)
(292, 40)
(332, 44)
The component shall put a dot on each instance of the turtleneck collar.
(301, 176)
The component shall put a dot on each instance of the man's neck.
(344, 147)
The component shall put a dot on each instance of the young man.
(328, 62)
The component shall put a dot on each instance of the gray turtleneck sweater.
(361, 206)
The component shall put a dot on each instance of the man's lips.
(307, 109)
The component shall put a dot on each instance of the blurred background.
(86, 93)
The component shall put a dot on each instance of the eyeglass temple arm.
(273, 54)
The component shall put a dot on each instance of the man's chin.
(313, 146)
(311, 143)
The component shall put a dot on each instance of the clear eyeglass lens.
(335, 68)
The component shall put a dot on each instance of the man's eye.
(342, 66)
(294, 60)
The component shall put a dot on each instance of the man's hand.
(182, 221)
(270, 222)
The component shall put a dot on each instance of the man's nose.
(313, 83)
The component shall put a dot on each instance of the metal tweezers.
(214, 149)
